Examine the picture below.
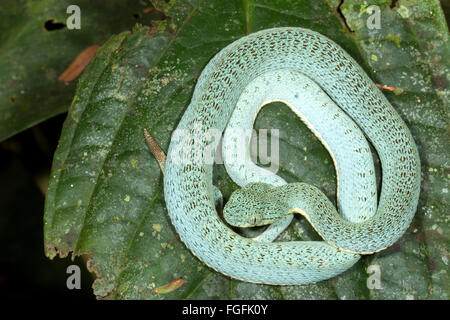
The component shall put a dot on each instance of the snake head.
(253, 205)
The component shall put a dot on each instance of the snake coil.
(188, 188)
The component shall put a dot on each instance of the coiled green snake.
(297, 63)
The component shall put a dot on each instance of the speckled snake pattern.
(188, 188)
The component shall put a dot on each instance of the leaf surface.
(105, 196)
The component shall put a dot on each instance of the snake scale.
(190, 194)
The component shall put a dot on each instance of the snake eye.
(252, 220)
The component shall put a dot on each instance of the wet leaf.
(105, 196)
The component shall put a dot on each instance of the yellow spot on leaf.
(157, 227)
(394, 38)
(127, 198)
(403, 11)
(398, 91)
(134, 163)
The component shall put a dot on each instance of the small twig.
(79, 64)
(156, 150)
(385, 87)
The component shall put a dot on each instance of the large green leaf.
(105, 197)
(32, 56)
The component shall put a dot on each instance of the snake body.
(188, 188)
(356, 189)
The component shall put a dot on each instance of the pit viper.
(190, 195)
